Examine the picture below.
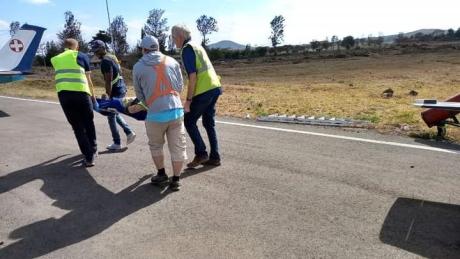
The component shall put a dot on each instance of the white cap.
(149, 42)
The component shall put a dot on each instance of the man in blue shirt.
(203, 91)
(77, 104)
(115, 88)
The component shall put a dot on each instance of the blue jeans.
(203, 105)
(114, 119)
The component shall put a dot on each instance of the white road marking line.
(380, 142)
(344, 137)
(29, 100)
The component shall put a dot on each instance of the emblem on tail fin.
(16, 45)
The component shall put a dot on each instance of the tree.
(380, 40)
(401, 38)
(247, 51)
(325, 44)
(142, 33)
(103, 36)
(118, 30)
(277, 35)
(348, 42)
(315, 45)
(14, 27)
(71, 30)
(261, 51)
(457, 33)
(206, 25)
(450, 34)
(335, 41)
(41, 54)
(157, 26)
(51, 49)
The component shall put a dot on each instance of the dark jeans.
(114, 119)
(78, 109)
(203, 105)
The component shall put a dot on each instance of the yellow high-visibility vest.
(207, 79)
(69, 75)
(114, 59)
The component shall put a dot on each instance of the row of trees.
(437, 35)
(277, 37)
(115, 36)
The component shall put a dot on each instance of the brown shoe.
(212, 162)
(198, 160)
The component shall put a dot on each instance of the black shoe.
(212, 162)
(175, 186)
(160, 179)
(89, 163)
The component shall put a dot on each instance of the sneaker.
(175, 186)
(198, 160)
(159, 179)
(130, 138)
(212, 162)
(90, 163)
(114, 147)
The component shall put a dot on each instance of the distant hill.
(392, 38)
(226, 44)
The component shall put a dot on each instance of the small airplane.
(17, 55)
(440, 114)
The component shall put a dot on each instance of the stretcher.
(440, 113)
(120, 105)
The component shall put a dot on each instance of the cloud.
(4, 25)
(4, 32)
(38, 2)
(88, 32)
(134, 31)
(237, 28)
(306, 21)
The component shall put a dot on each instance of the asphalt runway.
(283, 191)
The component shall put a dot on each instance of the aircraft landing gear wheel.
(442, 132)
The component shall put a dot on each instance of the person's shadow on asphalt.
(92, 207)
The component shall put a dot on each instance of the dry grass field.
(346, 87)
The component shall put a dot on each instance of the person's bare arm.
(108, 82)
(190, 91)
(90, 83)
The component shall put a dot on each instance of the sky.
(242, 21)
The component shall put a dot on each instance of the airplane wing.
(434, 104)
(17, 55)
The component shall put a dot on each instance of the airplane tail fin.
(18, 53)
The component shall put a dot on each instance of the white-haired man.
(203, 91)
(158, 83)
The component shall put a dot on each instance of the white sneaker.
(130, 138)
(113, 147)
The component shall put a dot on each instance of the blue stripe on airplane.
(26, 62)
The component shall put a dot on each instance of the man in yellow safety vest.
(203, 91)
(76, 95)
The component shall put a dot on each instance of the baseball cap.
(98, 45)
(149, 42)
